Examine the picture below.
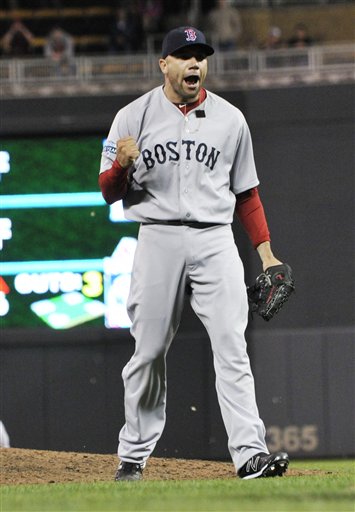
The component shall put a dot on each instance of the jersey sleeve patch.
(109, 148)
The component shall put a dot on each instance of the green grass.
(332, 490)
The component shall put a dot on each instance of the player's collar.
(185, 108)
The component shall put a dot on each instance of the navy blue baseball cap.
(183, 37)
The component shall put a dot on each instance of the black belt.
(190, 224)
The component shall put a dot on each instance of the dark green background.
(52, 165)
(55, 165)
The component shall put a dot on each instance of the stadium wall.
(63, 390)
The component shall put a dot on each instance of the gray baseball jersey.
(190, 167)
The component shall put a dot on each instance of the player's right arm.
(127, 151)
(113, 181)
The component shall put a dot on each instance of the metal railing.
(286, 3)
(143, 68)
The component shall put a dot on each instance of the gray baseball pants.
(166, 258)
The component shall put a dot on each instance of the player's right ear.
(163, 66)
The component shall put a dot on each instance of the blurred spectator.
(135, 22)
(152, 11)
(300, 38)
(225, 25)
(127, 33)
(59, 48)
(273, 40)
(120, 37)
(17, 42)
(119, 41)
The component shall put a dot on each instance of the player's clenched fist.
(127, 151)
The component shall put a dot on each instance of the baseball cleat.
(128, 471)
(264, 465)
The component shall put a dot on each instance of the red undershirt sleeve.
(113, 183)
(251, 215)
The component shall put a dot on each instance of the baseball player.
(181, 159)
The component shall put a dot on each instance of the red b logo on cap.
(190, 34)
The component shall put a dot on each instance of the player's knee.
(146, 358)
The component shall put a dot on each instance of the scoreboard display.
(66, 256)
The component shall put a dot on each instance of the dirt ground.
(21, 466)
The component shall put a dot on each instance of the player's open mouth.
(191, 80)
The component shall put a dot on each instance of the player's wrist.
(266, 255)
(117, 165)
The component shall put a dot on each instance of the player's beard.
(193, 95)
(184, 94)
(178, 90)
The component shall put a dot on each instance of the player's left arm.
(266, 255)
(250, 212)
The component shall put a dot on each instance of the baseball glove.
(271, 290)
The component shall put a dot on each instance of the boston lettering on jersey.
(168, 152)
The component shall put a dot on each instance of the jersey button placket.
(187, 127)
(185, 203)
(185, 189)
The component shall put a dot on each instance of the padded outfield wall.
(62, 389)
